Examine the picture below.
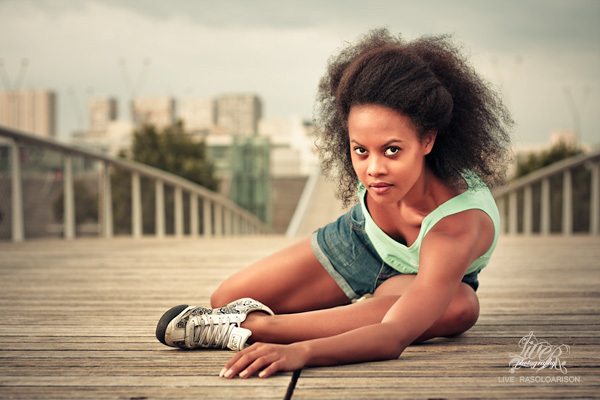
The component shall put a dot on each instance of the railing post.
(527, 210)
(595, 199)
(218, 211)
(237, 219)
(567, 209)
(17, 223)
(193, 215)
(545, 207)
(512, 213)
(178, 211)
(206, 218)
(227, 222)
(243, 227)
(501, 203)
(159, 211)
(68, 198)
(107, 215)
(136, 205)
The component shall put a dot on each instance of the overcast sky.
(535, 51)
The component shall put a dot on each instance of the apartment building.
(157, 111)
(30, 111)
(198, 114)
(102, 112)
(238, 114)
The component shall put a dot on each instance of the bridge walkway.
(78, 320)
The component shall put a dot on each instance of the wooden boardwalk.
(78, 320)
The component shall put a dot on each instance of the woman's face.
(387, 154)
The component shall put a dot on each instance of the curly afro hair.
(427, 80)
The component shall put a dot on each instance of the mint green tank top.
(404, 258)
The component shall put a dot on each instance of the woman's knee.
(218, 298)
(225, 293)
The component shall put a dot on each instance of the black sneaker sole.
(165, 319)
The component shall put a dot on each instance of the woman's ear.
(428, 141)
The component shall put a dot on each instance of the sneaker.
(243, 306)
(200, 327)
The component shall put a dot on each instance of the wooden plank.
(206, 391)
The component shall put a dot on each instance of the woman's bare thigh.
(288, 281)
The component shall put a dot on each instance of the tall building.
(30, 111)
(292, 147)
(238, 114)
(198, 114)
(157, 111)
(102, 111)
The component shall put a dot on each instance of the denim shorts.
(346, 252)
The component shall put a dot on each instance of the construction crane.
(132, 87)
(16, 85)
(576, 107)
(506, 86)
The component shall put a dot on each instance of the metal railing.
(517, 204)
(209, 213)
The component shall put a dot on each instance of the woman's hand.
(267, 357)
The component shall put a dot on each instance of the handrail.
(507, 196)
(226, 211)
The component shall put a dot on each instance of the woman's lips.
(380, 187)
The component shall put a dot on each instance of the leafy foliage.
(174, 151)
(533, 161)
(170, 150)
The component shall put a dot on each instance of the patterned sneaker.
(200, 327)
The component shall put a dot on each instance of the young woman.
(414, 132)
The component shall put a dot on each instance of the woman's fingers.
(232, 361)
(258, 364)
(269, 358)
(270, 370)
(242, 361)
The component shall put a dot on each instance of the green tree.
(533, 161)
(170, 150)
(174, 151)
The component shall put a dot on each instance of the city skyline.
(545, 55)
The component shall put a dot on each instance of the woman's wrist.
(305, 350)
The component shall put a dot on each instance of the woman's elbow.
(392, 346)
(391, 352)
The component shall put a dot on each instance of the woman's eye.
(390, 151)
(360, 151)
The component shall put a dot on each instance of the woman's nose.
(376, 166)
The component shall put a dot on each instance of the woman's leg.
(460, 316)
(462, 312)
(289, 281)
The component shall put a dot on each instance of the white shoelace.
(211, 331)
